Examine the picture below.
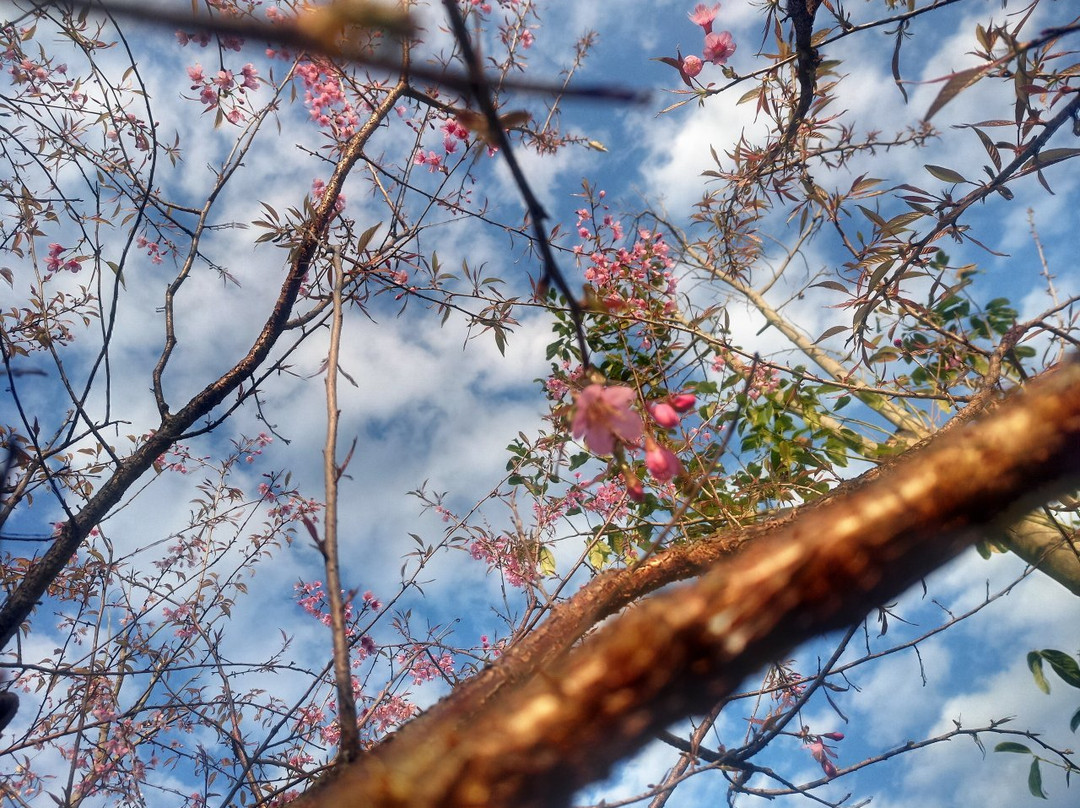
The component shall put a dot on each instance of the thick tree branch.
(681, 652)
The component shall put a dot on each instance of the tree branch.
(681, 652)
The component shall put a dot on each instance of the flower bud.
(661, 462)
(665, 415)
(691, 66)
(683, 402)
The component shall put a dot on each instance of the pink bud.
(683, 402)
(661, 462)
(634, 489)
(834, 736)
(665, 415)
(691, 66)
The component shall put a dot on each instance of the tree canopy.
(796, 279)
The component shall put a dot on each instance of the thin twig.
(349, 745)
(479, 89)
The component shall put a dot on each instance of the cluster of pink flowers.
(493, 648)
(289, 505)
(558, 383)
(188, 551)
(136, 129)
(311, 597)
(764, 380)
(423, 667)
(330, 108)
(179, 458)
(183, 619)
(42, 81)
(627, 280)
(549, 510)
(431, 160)
(604, 418)
(717, 48)
(501, 553)
(54, 263)
(453, 134)
(392, 711)
(154, 249)
(608, 501)
(255, 446)
(225, 86)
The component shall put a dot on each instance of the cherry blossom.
(603, 415)
(661, 462)
(683, 402)
(703, 15)
(718, 48)
(691, 66)
(664, 414)
(822, 753)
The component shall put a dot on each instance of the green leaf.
(1074, 722)
(1035, 780)
(1034, 661)
(944, 174)
(579, 459)
(1050, 156)
(1064, 666)
(1012, 746)
(547, 561)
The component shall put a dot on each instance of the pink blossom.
(53, 263)
(661, 462)
(431, 160)
(683, 402)
(718, 48)
(665, 415)
(250, 75)
(691, 66)
(604, 414)
(821, 753)
(703, 15)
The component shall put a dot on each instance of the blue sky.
(434, 407)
